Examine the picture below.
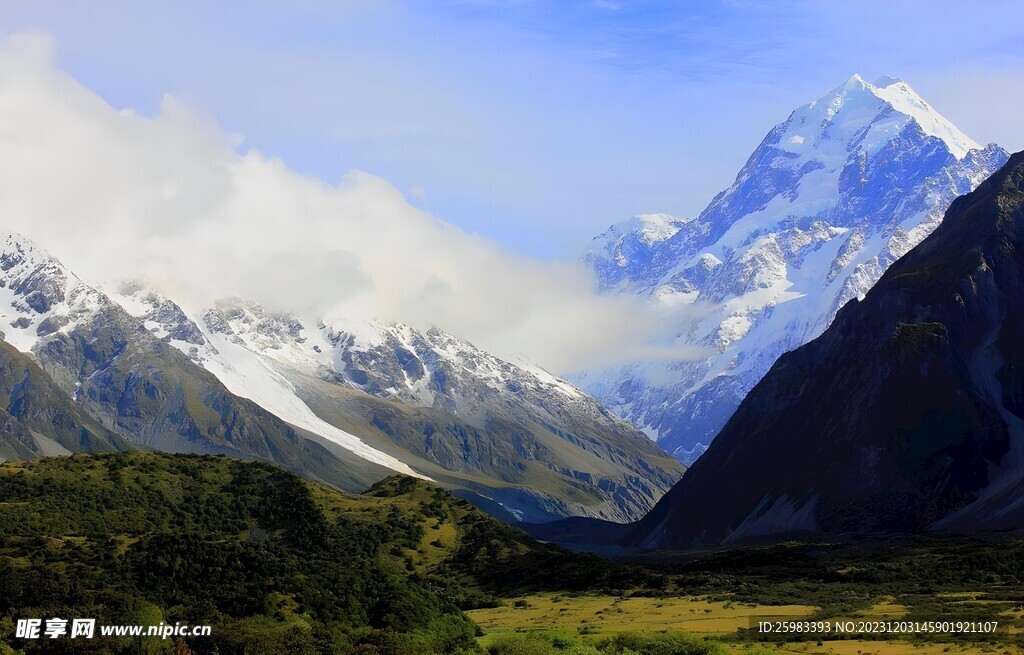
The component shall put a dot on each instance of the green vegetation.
(928, 577)
(627, 643)
(277, 564)
(571, 614)
(274, 563)
(717, 594)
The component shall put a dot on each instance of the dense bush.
(634, 643)
(657, 643)
(137, 538)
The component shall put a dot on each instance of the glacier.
(830, 198)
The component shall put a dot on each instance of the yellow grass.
(886, 610)
(856, 647)
(603, 615)
(611, 614)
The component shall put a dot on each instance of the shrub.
(656, 643)
(522, 644)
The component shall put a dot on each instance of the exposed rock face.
(241, 380)
(104, 381)
(831, 198)
(38, 419)
(907, 414)
(508, 434)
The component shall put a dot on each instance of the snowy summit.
(845, 186)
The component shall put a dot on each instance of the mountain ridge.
(903, 416)
(828, 200)
(238, 379)
(455, 413)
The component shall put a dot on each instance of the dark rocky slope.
(37, 418)
(905, 415)
(152, 394)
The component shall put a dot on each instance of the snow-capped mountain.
(221, 351)
(338, 399)
(904, 416)
(38, 296)
(130, 388)
(505, 433)
(831, 197)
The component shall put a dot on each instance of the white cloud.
(172, 199)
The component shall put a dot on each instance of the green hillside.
(275, 563)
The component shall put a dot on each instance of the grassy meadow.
(716, 596)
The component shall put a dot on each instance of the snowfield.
(831, 197)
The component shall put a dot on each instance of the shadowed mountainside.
(905, 415)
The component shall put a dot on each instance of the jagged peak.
(856, 101)
(649, 228)
(14, 242)
(20, 256)
(886, 80)
(855, 82)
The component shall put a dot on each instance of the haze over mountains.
(172, 198)
(906, 414)
(831, 197)
(344, 403)
(264, 325)
(829, 200)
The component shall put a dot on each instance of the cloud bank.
(175, 201)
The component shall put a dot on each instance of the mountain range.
(130, 367)
(832, 197)
(826, 203)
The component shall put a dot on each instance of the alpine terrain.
(906, 415)
(832, 196)
(80, 364)
(345, 402)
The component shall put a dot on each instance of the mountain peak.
(886, 80)
(830, 198)
(855, 85)
(650, 228)
(625, 247)
(857, 104)
(903, 416)
(855, 82)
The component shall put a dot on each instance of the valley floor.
(276, 564)
(583, 619)
(721, 596)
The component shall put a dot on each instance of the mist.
(175, 201)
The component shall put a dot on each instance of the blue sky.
(534, 123)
